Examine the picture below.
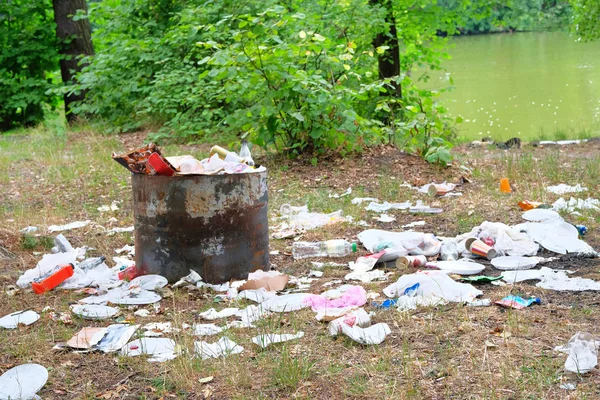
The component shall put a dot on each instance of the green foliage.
(517, 15)
(296, 78)
(29, 52)
(586, 19)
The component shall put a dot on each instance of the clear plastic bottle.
(329, 248)
(91, 263)
(245, 153)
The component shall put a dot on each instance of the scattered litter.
(354, 296)
(328, 248)
(117, 336)
(576, 204)
(221, 348)
(156, 329)
(552, 279)
(564, 188)
(337, 196)
(285, 303)
(321, 265)
(540, 215)
(411, 302)
(582, 349)
(112, 231)
(433, 283)
(506, 240)
(562, 142)
(130, 250)
(212, 314)
(142, 313)
(414, 224)
(404, 242)
(389, 303)
(285, 234)
(29, 230)
(94, 311)
(65, 318)
(421, 208)
(366, 276)
(269, 280)
(205, 380)
(113, 207)
(480, 248)
(12, 321)
(206, 329)
(505, 186)
(568, 386)
(330, 314)
(68, 227)
(359, 200)
(480, 303)
(193, 278)
(526, 205)
(386, 218)
(299, 218)
(161, 349)
(512, 263)
(481, 279)
(518, 302)
(316, 274)
(374, 334)
(557, 236)
(148, 282)
(385, 206)
(358, 317)
(249, 316)
(460, 267)
(86, 338)
(267, 339)
(439, 189)
(12, 290)
(23, 382)
(411, 261)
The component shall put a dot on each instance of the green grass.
(439, 352)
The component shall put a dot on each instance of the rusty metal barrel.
(216, 225)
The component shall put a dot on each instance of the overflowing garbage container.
(213, 221)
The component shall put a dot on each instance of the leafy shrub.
(29, 51)
(296, 78)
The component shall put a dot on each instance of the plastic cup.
(479, 248)
(505, 185)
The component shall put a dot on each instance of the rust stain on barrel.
(216, 225)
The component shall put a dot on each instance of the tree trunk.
(77, 42)
(389, 62)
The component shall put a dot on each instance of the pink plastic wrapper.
(355, 296)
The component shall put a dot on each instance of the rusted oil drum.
(216, 225)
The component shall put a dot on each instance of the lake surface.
(527, 85)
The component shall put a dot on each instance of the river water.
(528, 85)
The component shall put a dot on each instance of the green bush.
(28, 53)
(295, 77)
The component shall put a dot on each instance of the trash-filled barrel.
(216, 225)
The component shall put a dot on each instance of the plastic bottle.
(91, 263)
(226, 155)
(61, 244)
(52, 279)
(245, 153)
(449, 251)
(329, 248)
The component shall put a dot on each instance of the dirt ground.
(449, 351)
